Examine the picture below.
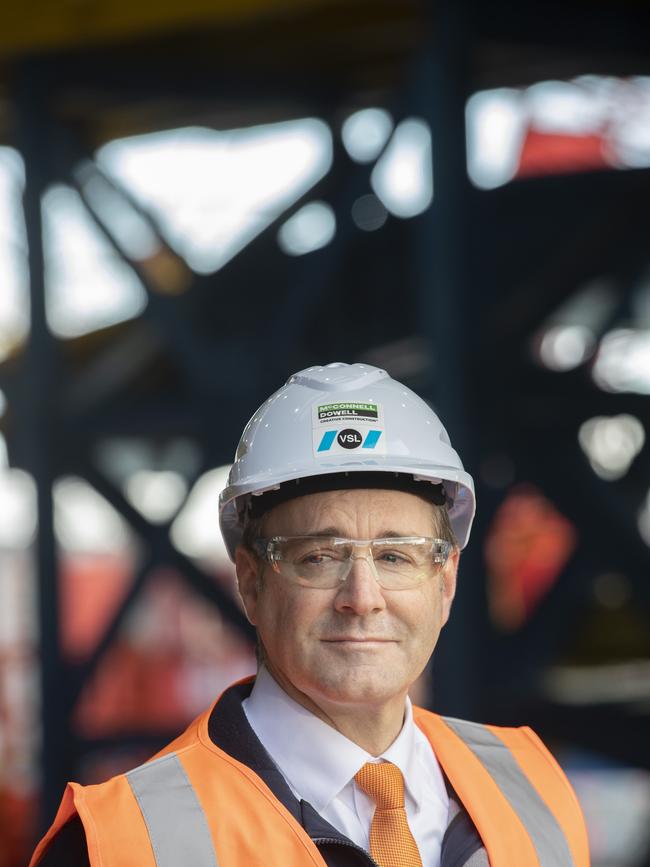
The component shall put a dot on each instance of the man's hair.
(251, 532)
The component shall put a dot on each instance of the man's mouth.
(370, 639)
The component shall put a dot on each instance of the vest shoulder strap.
(518, 797)
(192, 805)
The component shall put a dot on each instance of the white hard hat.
(343, 418)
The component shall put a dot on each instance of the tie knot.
(384, 783)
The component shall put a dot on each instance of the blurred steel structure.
(448, 301)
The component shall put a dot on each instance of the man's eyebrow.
(393, 534)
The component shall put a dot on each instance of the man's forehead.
(392, 512)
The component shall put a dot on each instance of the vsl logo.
(349, 439)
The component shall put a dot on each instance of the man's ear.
(247, 567)
(448, 579)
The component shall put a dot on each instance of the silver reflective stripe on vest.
(175, 820)
(543, 829)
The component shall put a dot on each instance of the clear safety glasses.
(324, 562)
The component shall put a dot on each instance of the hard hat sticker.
(349, 439)
(347, 411)
(344, 427)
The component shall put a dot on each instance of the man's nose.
(360, 593)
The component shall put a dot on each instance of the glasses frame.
(262, 548)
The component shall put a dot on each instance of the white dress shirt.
(319, 764)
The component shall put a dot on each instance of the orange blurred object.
(527, 547)
(92, 587)
(173, 655)
(17, 823)
(545, 153)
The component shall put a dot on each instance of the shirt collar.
(316, 760)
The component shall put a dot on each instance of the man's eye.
(317, 558)
(392, 557)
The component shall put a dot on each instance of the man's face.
(356, 644)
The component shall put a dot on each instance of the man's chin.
(357, 685)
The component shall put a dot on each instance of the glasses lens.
(313, 561)
(402, 563)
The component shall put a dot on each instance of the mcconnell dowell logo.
(349, 439)
(348, 411)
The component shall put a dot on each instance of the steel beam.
(39, 426)
(445, 303)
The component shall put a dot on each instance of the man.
(345, 513)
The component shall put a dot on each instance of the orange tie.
(391, 841)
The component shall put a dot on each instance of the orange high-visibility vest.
(196, 805)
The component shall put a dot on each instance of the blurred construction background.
(199, 198)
